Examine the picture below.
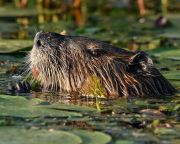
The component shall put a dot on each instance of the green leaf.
(72, 107)
(7, 27)
(95, 137)
(173, 75)
(16, 135)
(152, 113)
(15, 12)
(165, 131)
(171, 34)
(124, 142)
(10, 46)
(21, 107)
(165, 52)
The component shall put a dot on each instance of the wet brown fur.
(66, 63)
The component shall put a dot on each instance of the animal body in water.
(91, 67)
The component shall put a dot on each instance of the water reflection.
(65, 98)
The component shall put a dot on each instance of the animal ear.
(140, 63)
(140, 57)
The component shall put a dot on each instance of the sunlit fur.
(65, 63)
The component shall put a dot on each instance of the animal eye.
(95, 52)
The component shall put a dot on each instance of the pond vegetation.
(39, 117)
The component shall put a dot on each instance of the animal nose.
(37, 40)
(38, 43)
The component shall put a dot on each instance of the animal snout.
(38, 40)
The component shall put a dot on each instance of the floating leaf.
(10, 12)
(153, 113)
(95, 137)
(177, 107)
(173, 75)
(10, 46)
(170, 35)
(15, 12)
(140, 102)
(72, 107)
(17, 135)
(165, 131)
(8, 27)
(21, 107)
(124, 142)
(174, 58)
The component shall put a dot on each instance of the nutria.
(91, 67)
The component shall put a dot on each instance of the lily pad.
(166, 131)
(15, 135)
(10, 46)
(15, 12)
(173, 75)
(124, 142)
(165, 52)
(12, 12)
(93, 137)
(21, 107)
(170, 35)
(72, 107)
(174, 58)
(153, 113)
(8, 27)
